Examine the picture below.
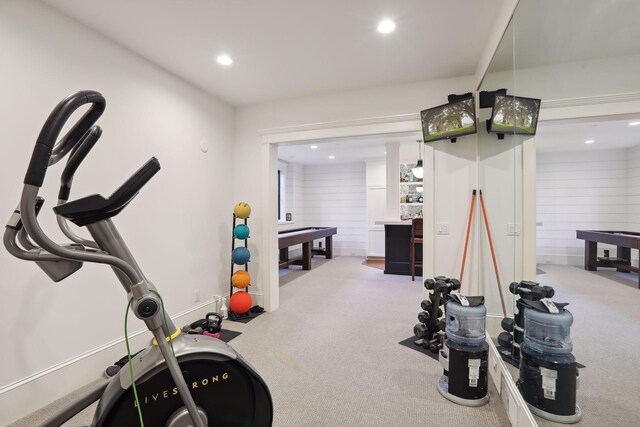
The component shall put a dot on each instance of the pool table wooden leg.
(306, 255)
(590, 255)
(623, 253)
(284, 254)
(328, 243)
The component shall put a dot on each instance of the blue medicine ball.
(241, 231)
(240, 256)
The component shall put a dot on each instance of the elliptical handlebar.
(46, 151)
(89, 139)
(78, 154)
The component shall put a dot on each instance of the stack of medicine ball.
(240, 301)
(431, 321)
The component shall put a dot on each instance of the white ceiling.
(349, 150)
(548, 32)
(292, 48)
(608, 133)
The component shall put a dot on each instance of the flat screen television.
(514, 115)
(449, 120)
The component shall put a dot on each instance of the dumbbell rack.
(431, 327)
(509, 341)
(232, 315)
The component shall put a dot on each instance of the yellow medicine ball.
(242, 210)
(241, 279)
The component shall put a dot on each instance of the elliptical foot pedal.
(443, 389)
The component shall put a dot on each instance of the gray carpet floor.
(606, 338)
(331, 357)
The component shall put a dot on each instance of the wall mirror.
(563, 204)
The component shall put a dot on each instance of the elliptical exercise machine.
(180, 379)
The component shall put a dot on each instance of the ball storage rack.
(252, 312)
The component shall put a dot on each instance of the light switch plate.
(513, 229)
(442, 228)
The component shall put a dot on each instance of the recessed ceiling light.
(386, 26)
(314, 147)
(385, 153)
(332, 157)
(589, 141)
(224, 60)
(634, 123)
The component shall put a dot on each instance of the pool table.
(305, 236)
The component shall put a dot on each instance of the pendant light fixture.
(418, 170)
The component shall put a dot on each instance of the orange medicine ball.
(240, 302)
(241, 279)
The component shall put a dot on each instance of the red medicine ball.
(240, 302)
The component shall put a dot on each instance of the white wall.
(294, 194)
(178, 227)
(335, 196)
(586, 190)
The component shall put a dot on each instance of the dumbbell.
(447, 285)
(442, 325)
(507, 324)
(420, 330)
(426, 305)
(434, 346)
(425, 316)
(535, 292)
(429, 283)
(505, 340)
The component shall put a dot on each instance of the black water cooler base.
(443, 388)
(562, 375)
(454, 385)
(562, 419)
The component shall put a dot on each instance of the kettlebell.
(213, 325)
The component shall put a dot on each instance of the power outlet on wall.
(196, 295)
(513, 229)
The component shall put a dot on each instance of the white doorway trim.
(309, 132)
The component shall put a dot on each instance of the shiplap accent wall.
(294, 195)
(591, 189)
(335, 196)
(633, 190)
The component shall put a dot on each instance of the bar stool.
(416, 238)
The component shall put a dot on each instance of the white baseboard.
(517, 410)
(42, 388)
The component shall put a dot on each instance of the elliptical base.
(443, 389)
(562, 419)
